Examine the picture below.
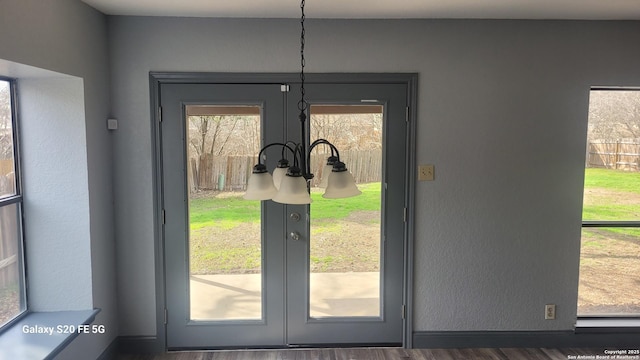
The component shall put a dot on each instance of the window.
(12, 283)
(610, 247)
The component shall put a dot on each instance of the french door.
(261, 274)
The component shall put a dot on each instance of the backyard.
(609, 262)
(225, 233)
(610, 257)
(225, 238)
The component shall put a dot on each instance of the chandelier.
(289, 183)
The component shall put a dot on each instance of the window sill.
(42, 335)
(608, 325)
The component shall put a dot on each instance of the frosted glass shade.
(293, 190)
(260, 186)
(278, 175)
(341, 185)
(326, 171)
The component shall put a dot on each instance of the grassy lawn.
(225, 233)
(231, 210)
(610, 257)
(613, 179)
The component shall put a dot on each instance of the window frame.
(17, 199)
(607, 223)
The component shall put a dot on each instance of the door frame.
(159, 342)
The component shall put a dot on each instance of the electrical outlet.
(425, 173)
(550, 312)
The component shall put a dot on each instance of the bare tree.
(209, 134)
(198, 129)
(220, 128)
(349, 131)
(6, 132)
(614, 114)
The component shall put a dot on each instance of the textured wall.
(58, 254)
(68, 37)
(502, 111)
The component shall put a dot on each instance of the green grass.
(620, 187)
(230, 259)
(322, 263)
(369, 200)
(230, 211)
(220, 245)
(227, 212)
(624, 181)
(615, 203)
(611, 212)
(635, 232)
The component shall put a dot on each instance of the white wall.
(55, 193)
(502, 111)
(69, 38)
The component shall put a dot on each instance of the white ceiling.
(379, 9)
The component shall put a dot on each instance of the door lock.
(295, 216)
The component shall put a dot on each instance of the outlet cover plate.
(550, 312)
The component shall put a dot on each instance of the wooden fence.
(230, 173)
(620, 154)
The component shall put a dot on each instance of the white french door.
(261, 274)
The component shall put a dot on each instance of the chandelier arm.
(275, 144)
(287, 147)
(298, 159)
(334, 150)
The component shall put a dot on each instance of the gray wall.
(502, 111)
(69, 198)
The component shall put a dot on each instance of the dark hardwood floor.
(375, 354)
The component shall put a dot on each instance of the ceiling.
(379, 9)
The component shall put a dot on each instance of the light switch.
(112, 124)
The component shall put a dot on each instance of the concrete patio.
(235, 297)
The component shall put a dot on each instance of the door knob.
(295, 235)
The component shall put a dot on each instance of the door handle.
(295, 235)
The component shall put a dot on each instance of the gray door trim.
(158, 78)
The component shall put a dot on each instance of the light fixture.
(289, 184)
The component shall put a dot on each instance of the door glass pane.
(345, 254)
(225, 243)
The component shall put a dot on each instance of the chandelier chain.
(302, 105)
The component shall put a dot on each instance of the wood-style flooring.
(376, 354)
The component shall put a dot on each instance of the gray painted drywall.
(502, 110)
(69, 37)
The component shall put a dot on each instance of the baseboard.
(522, 339)
(111, 352)
(140, 345)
